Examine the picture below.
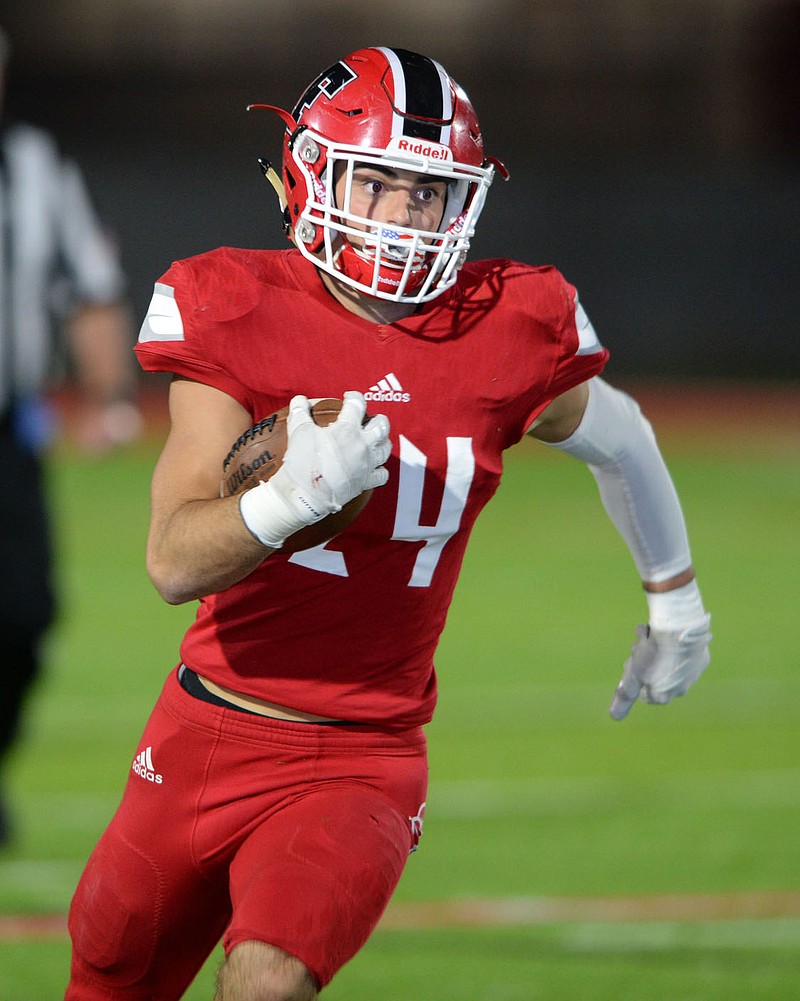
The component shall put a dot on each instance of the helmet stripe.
(422, 101)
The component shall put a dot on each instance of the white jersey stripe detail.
(163, 321)
(588, 342)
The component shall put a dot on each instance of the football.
(257, 454)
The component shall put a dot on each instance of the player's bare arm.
(201, 543)
(558, 420)
(198, 543)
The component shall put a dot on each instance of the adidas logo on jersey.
(143, 767)
(388, 390)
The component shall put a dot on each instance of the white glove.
(663, 665)
(322, 470)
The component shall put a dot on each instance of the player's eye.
(430, 196)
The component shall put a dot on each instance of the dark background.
(653, 145)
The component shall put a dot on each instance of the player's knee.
(255, 971)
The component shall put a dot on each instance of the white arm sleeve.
(618, 444)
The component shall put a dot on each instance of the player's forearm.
(100, 337)
(640, 499)
(201, 548)
(637, 491)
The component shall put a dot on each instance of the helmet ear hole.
(304, 231)
(307, 149)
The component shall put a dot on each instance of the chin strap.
(268, 170)
(274, 179)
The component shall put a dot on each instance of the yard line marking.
(755, 905)
(557, 910)
(468, 799)
(32, 927)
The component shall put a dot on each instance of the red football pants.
(235, 825)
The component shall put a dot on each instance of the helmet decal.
(327, 84)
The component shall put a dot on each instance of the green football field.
(565, 856)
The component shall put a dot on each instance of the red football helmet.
(403, 111)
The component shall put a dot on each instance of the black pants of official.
(26, 592)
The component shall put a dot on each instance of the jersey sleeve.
(576, 352)
(184, 330)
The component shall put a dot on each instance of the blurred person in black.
(59, 275)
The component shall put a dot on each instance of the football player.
(280, 782)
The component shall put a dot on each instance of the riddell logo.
(434, 151)
(143, 767)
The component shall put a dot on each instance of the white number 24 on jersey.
(407, 527)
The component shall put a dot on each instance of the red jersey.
(349, 629)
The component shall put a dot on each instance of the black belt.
(190, 683)
(194, 686)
